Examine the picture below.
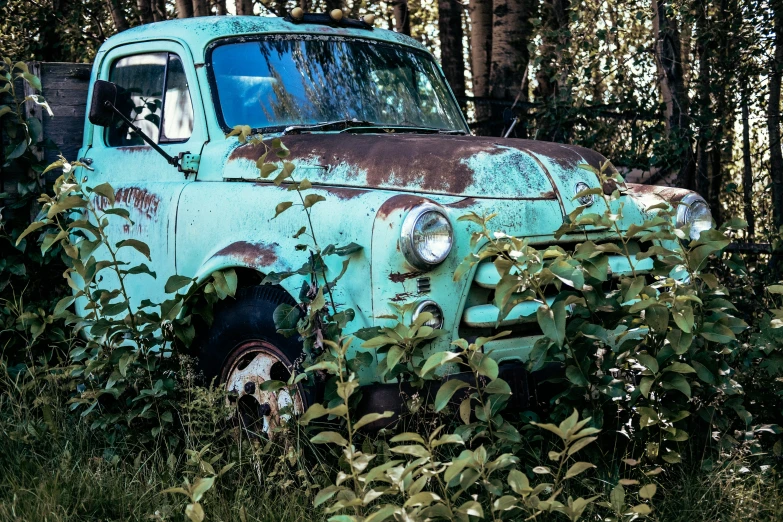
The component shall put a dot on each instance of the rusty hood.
(477, 167)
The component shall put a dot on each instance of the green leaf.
(286, 316)
(578, 468)
(447, 391)
(648, 361)
(679, 367)
(139, 246)
(312, 199)
(29, 230)
(648, 491)
(282, 207)
(348, 249)
(518, 482)
(176, 282)
(372, 417)
(677, 382)
(105, 190)
(436, 360)
(575, 375)
(201, 486)
(498, 387)
(329, 437)
(488, 367)
(683, 316)
(32, 80)
(552, 321)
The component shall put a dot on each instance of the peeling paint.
(401, 277)
(250, 254)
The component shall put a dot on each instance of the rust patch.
(344, 193)
(402, 202)
(135, 149)
(465, 203)
(401, 277)
(550, 194)
(402, 297)
(671, 194)
(251, 254)
(428, 162)
(143, 201)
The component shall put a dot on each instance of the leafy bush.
(649, 362)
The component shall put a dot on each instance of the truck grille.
(480, 315)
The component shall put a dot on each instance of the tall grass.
(54, 468)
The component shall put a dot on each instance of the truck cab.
(371, 122)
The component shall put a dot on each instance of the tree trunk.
(552, 75)
(334, 4)
(773, 117)
(480, 57)
(200, 8)
(510, 36)
(668, 55)
(450, 27)
(184, 8)
(158, 10)
(145, 11)
(305, 5)
(704, 114)
(220, 7)
(747, 171)
(244, 7)
(402, 20)
(117, 15)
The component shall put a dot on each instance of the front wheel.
(243, 351)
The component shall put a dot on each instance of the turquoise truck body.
(221, 216)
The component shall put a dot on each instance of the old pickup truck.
(371, 122)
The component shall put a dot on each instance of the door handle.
(87, 163)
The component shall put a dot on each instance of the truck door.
(158, 91)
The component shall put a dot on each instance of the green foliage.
(649, 350)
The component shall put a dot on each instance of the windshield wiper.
(346, 125)
(328, 126)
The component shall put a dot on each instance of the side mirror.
(104, 97)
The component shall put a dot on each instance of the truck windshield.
(283, 81)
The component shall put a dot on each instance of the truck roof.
(197, 33)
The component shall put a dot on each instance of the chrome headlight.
(433, 308)
(693, 211)
(427, 236)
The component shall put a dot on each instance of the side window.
(153, 94)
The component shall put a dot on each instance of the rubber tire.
(247, 318)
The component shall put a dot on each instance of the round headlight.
(695, 213)
(427, 236)
(432, 308)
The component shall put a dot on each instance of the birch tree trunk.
(117, 15)
(480, 57)
(450, 28)
(509, 57)
(747, 170)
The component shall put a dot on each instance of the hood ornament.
(587, 200)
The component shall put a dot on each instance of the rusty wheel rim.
(251, 364)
